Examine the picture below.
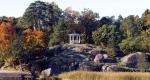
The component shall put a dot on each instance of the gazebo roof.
(74, 34)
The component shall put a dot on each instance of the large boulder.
(136, 60)
(98, 58)
(148, 56)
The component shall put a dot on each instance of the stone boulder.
(135, 60)
(111, 68)
(45, 73)
(98, 58)
(93, 53)
(105, 56)
(104, 68)
(148, 56)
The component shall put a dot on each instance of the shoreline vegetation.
(86, 75)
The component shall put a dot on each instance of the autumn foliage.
(34, 38)
(7, 34)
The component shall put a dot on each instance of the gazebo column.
(70, 39)
(79, 39)
(73, 39)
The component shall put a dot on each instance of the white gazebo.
(74, 38)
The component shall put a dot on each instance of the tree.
(107, 36)
(88, 20)
(21, 22)
(34, 39)
(146, 17)
(72, 23)
(13, 53)
(71, 20)
(42, 15)
(132, 26)
(10, 46)
(128, 26)
(8, 33)
(136, 44)
(57, 36)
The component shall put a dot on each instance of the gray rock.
(104, 68)
(135, 60)
(105, 56)
(110, 68)
(98, 58)
(45, 73)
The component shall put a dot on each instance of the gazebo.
(74, 38)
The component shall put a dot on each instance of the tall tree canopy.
(88, 20)
(71, 20)
(43, 15)
(107, 36)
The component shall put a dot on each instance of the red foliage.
(7, 33)
(30, 35)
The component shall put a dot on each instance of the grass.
(86, 75)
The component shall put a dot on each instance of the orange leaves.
(39, 36)
(7, 34)
(34, 37)
(26, 35)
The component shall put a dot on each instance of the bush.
(135, 44)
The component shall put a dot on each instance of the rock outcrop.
(81, 56)
(67, 57)
(136, 60)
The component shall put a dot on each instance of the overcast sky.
(103, 7)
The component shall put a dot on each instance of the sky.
(16, 8)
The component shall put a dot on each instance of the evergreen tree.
(55, 37)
